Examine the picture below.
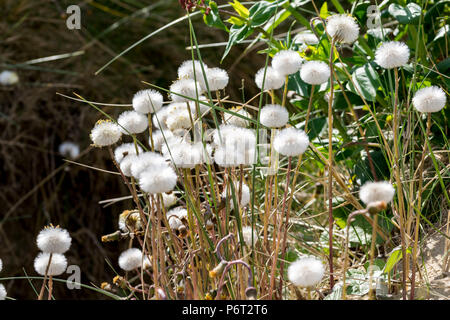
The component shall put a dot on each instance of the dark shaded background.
(35, 190)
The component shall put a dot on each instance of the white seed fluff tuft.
(130, 259)
(2, 292)
(175, 217)
(53, 240)
(287, 62)
(159, 138)
(245, 194)
(217, 79)
(237, 146)
(291, 142)
(147, 101)
(158, 180)
(105, 133)
(343, 28)
(429, 99)
(125, 164)
(272, 81)
(315, 72)
(159, 118)
(146, 160)
(235, 120)
(1, 265)
(376, 191)
(69, 149)
(306, 37)
(125, 149)
(392, 54)
(169, 199)
(306, 272)
(132, 122)
(58, 264)
(247, 235)
(8, 78)
(186, 70)
(274, 116)
(183, 89)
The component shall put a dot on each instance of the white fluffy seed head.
(159, 118)
(69, 149)
(183, 89)
(1, 265)
(274, 116)
(53, 240)
(186, 155)
(147, 101)
(376, 191)
(237, 146)
(125, 149)
(8, 78)
(272, 81)
(245, 194)
(315, 72)
(158, 180)
(130, 259)
(291, 142)
(2, 292)
(343, 28)
(159, 138)
(429, 99)
(58, 264)
(105, 133)
(179, 116)
(132, 122)
(287, 62)
(125, 164)
(392, 54)
(146, 160)
(306, 272)
(186, 70)
(217, 79)
(234, 120)
(306, 37)
(247, 235)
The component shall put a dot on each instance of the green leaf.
(324, 10)
(261, 12)
(213, 18)
(406, 15)
(237, 34)
(239, 8)
(366, 80)
(441, 32)
(394, 257)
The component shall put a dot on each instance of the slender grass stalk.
(50, 287)
(419, 208)
(41, 293)
(398, 179)
(372, 255)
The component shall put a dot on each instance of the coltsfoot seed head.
(53, 240)
(343, 28)
(429, 99)
(69, 149)
(105, 133)
(217, 79)
(376, 191)
(306, 272)
(147, 101)
(245, 194)
(392, 54)
(183, 89)
(2, 292)
(132, 122)
(315, 72)
(8, 78)
(234, 120)
(291, 142)
(272, 81)
(274, 116)
(124, 150)
(130, 259)
(287, 62)
(146, 160)
(57, 266)
(158, 180)
(186, 70)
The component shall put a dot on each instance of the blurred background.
(37, 186)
